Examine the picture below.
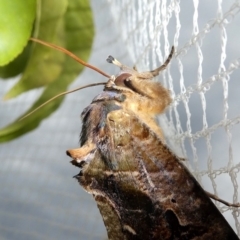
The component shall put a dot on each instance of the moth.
(142, 189)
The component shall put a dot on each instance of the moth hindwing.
(142, 189)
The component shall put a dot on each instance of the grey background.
(38, 197)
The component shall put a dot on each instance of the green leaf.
(79, 37)
(17, 65)
(16, 20)
(50, 28)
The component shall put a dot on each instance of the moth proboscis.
(142, 189)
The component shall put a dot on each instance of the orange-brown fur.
(146, 107)
(145, 98)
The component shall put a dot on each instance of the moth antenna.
(114, 61)
(61, 49)
(156, 71)
(59, 95)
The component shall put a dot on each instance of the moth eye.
(120, 80)
(173, 200)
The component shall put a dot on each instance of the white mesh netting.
(40, 200)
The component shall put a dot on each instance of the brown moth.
(142, 189)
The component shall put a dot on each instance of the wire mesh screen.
(40, 200)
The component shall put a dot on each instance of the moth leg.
(82, 156)
(213, 196)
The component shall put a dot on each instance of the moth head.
(128, 73)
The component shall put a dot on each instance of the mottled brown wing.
(142, 189)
